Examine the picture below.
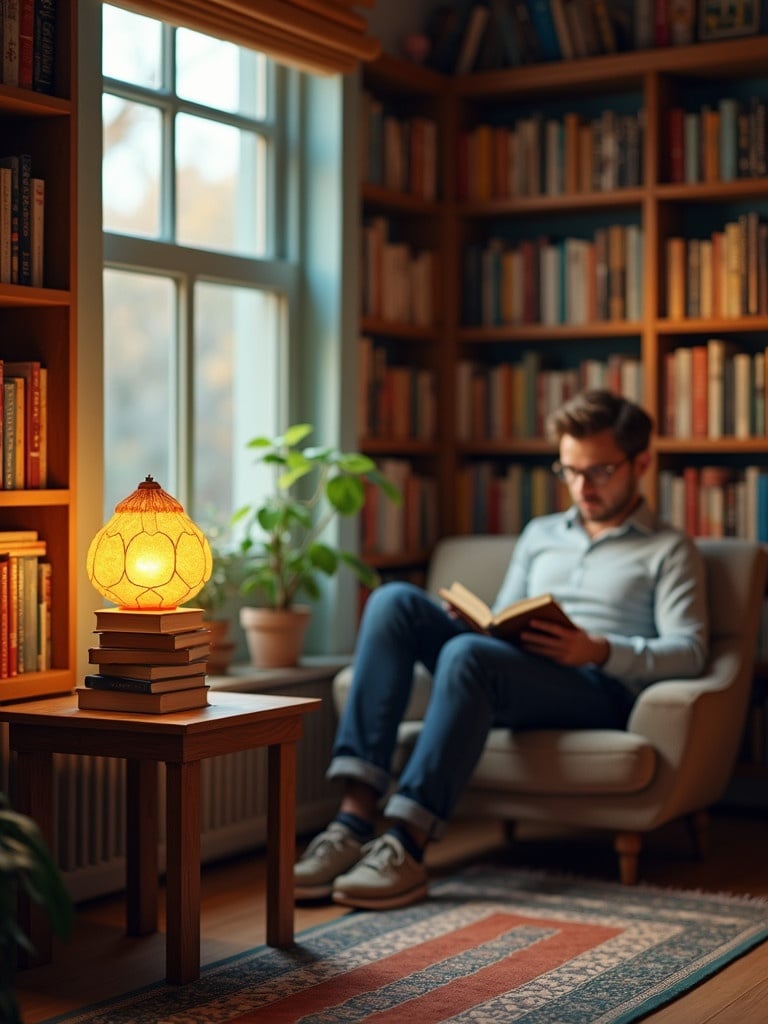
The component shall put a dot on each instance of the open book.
(510, 621)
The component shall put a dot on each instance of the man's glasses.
(595, 475)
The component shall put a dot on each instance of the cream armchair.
(677, 753)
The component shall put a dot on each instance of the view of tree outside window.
(196, 294)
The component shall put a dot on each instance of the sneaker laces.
(333, 837)
(383, 852)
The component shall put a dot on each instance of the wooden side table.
(231, 722)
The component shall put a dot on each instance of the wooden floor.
(100, 962)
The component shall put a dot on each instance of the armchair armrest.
(697, 721)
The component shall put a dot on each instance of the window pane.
(132, 48)
(221, 75)
(139, 382)
(220, 187)
(131, 167)
(234, 328)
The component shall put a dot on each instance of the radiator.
(89, 842)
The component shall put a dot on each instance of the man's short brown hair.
(591, 412)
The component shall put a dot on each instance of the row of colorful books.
(22, 222)
(28, 37)
(397, 401)
(390, 529)
(725, 274)
(714, 390)
(508, 33)
(551, 156)
(716, 501)
(505, 401)
(555, 281)
(495, 498)
(717, 144)
(148, 662)
(25, 604)
(23, 424)
(397, 280)
(397, 152)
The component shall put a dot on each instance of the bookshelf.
(406, 311)
(647, 84)
(38, 323)
(481, 460)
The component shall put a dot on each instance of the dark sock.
(408, 842)
(359, 827)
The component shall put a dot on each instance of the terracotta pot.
(222, 648)
(275, 638)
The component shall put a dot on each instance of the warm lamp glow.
(150, 555)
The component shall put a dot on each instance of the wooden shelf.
(40, 324)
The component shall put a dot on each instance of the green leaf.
(322, 454)
(354, 462)
(323, 558)
(259, 442)
(346, 494)
(293, 435)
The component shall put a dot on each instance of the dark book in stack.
(151, 662)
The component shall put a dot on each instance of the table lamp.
(150, 555)
(152, 654)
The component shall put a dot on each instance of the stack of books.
(151, 662)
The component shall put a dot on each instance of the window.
(198, 290)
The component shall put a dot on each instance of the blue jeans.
(478, 682)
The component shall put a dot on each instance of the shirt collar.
(641, 519)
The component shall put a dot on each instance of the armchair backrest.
(479, 562)
(735, 585)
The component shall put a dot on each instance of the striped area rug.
(490, 946)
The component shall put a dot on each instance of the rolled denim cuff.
(407, 810)
(346, 767)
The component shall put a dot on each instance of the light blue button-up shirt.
(640, 585)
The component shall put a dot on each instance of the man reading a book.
(633, 588)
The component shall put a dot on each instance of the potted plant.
(26, 862)
(285, 542)
(217, 597)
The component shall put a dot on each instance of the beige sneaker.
(385, 877)
(329, 854)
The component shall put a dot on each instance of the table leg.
(281, 842)
(183, 872)
(34, 797)
(141, 868)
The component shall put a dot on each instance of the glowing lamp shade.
(150, 555)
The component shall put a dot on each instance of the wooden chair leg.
(627, 846)
(699, 830)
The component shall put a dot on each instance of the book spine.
(45, 592)
(10, 21)
(44, 49)
(6, 190)
(12, 162)
(26, 42)
(9, 435)
(100, 682)
(30, 613)
(37, 228)
(4, 620)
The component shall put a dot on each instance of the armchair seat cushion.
(560, 762)
(583, 762)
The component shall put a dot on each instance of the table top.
(223, 711)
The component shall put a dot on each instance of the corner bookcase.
(39, 323)
(501, 368)
(505, 349)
